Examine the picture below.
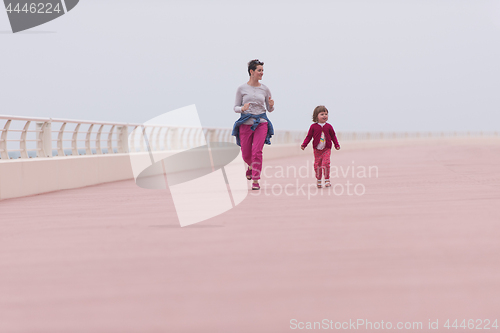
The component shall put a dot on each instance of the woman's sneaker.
(255, 186)
(249, 174)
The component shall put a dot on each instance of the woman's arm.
(238, 103)
(268, 98)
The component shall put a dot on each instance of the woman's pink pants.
(252, 143)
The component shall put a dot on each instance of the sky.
(386, 65)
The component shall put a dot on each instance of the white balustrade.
(110, 138)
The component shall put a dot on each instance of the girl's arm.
(334, 138)
(308, 137)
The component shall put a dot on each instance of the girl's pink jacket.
(315, 134)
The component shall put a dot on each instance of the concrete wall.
(24, 177)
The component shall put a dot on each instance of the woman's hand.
(271, 102)
(245, 107)
(302, 147)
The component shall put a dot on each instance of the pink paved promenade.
(421, 243)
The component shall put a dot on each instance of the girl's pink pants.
(322, 162)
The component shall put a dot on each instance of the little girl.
(322, 134)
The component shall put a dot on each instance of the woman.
(253, 129)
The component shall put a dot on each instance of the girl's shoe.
(249, 174)
(319, 184)
(255, 186)
(327, 183)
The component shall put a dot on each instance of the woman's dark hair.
(252, 65)
(317, 111)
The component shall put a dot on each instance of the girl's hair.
(252, 65)
(317, 111)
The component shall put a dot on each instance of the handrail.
(113, 137)
(84, 137)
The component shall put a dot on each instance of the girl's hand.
(245, 107)
(302, 147)
(271, 102)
